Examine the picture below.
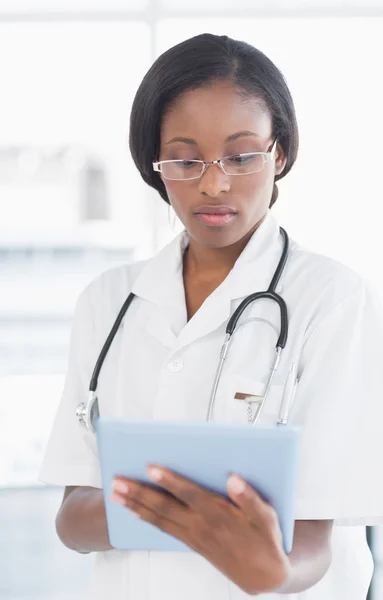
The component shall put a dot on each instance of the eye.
(187, 163)
(241, 159)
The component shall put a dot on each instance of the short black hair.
(196, 63)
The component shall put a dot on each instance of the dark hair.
(195, 63)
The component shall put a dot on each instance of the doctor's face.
(208, 123)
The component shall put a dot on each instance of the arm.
(81, 521)
(310, 557)
(81, 526)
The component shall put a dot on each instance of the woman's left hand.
(241, 538)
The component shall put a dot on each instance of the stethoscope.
(88, 412)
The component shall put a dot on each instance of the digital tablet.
(206, 453)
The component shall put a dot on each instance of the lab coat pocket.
(241, 390)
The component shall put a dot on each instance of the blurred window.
(277, 6)
(64, 6)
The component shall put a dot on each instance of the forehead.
(216, 111)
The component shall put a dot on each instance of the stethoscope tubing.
(270, 294)
(85, 411)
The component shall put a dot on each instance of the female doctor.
(212, 128)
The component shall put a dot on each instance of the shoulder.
(117, 281)
(323, 272)
(105, 294)
(102, 299)
(327, 286)
(321, 275)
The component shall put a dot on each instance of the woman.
(213, 128)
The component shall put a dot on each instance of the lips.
(217, 209)
(215, 215)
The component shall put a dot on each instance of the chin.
(218, 237)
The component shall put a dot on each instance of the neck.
(201, 259)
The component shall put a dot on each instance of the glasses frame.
(269, 155)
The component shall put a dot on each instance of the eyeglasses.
(236, 164)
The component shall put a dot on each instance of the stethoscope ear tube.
(108, 343)
(271, 294)
(88, 412)
(232, 324)
(282, 262)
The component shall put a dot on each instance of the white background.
(72, 81)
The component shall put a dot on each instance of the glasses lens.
(182, 169)
(242, 164)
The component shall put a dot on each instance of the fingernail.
(120, 486)
(236, 484)
(155, 474)
(115, 497)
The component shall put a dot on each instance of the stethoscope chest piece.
(87, 413)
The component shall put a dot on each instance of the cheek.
(178, 194)
(255, 187)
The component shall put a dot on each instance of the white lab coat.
(161, 367)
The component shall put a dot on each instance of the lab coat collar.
(161, 282)
(162, 275)
(255, 267)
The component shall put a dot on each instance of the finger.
(189, 493)
(251, 503)
(126, 491)
(149, 516)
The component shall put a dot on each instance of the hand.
(242, 537)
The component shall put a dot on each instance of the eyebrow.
(182, 139)
(235, 136)
(230, 138)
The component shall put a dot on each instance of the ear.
(280, 160)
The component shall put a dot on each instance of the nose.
(214, 181)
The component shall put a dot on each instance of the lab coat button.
(176, 365)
